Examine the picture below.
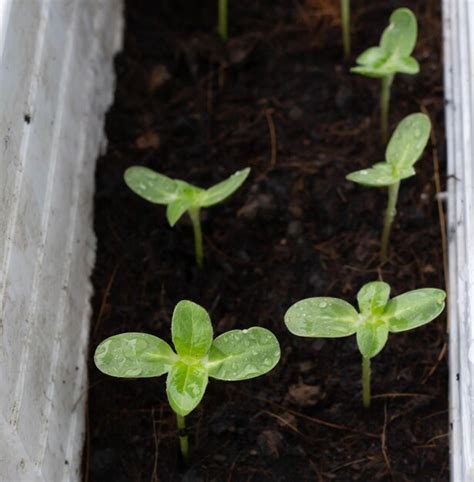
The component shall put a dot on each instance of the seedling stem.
(389, 217)
(195, 215)
(366, 381)
(183, 438)
(385, 105)
(222, 25)
(346, 27)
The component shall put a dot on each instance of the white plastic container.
(56, 82)
(458, 19)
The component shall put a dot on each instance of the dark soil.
(191, 108)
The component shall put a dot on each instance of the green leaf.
(243, 354)
(408, 65)
(185, 387)
(373, 297)
(322, 317)
(400, 36)
(372, 56)
(408, 141)
(379, 175)
(372, 337)
(369, 71)
(191, 330)
(150, 185)
(176, 209)
(134, 355)
(413, 309)
(224, 189)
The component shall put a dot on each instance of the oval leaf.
(413, 309)
(224, 189)
(150, 185)
(134, 355)
(322, 317)
(371, 338)
(379, 175)
(243, 354)
(373, 297)
(408, 141)
(399, 37)
(408, 65)
(191, 330)
(185, 387)
(372, 56)
(176, 209)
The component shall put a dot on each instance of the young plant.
(346, 27)
(232, 356)
(404, 149)
(222, 22)
(392, 56)
(179, 196)
(377, 317)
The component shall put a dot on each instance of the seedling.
(181, 197)
(222, 23)
(404, 149)
(346, 27)
(377, 317)
(392, 56)
(232, 356)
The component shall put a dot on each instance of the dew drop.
(323, 304)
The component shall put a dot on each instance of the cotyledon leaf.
(408, 141)
(243, 354)
(185, 386)
(176, 209)
(371, 337)
(379, 175)
(191, 330)
(134, 355)
(224, 189)
(150, 185)
(373, 297)
(400, 36)
(413, 309)
(322, 317)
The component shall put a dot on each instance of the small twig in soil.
(441, 355)
(105, 297)
(383, 439)
(439, 202)
(273, 137)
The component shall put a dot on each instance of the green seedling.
(181, 197)
(404, 149)
(232, 356)
(392, 56)
(346, 27)
(222, 22)
(377, 317)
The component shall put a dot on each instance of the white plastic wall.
(458, 19)
(56, 82)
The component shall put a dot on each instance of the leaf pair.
(235, 355)
(377, 317)
(393, 55)
(404, 149)
(177, 195)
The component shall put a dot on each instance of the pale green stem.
(183, 438)
(346, 27)
(222, 25)
(366, 381)
(385, 105)
(195, 216)
(389, 217)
